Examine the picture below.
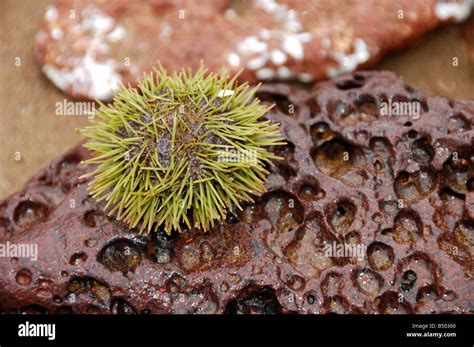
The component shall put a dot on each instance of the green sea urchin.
(179, 150)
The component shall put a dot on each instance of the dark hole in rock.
(310, 191)
(449, 295)
(408, 124)
(255, 300)
(283, 210)
(458, 170)
(321, 132)
(470, 184)
(346, 114)
(407, 227)
(409, 89)
(386, 231)
(408, 280)
(378, 164)
(311, 298)
(428, 293)
(423, 104)
(231, 218)
(159, 246)
(46, 178)
(389, 303)
(29, 212)
(120, 306)
(353, 238)
(349, 84)
(335, 157)
(447, 195)
(69, 161)
(400, 98)
(367, 104)
(92, 287)
(78, 258)
(293, 281)
(411, 187)
(286, 171)
(120, 255)
(341, 216)
(43, 177)
(251, 213)
(92, 218)
(413, 134)
(285, 151)
(281, 102)
(422, 151)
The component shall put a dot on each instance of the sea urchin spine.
(179, 150)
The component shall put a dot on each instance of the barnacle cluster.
(179, 150)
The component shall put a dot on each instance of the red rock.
(87, 47)
(404, 195)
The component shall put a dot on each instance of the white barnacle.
(257, 63)
(252, 44)
(293, 47)
(278, 57)
(51, 13)
(233, 59)
(459, 12)
(349, 62)
(265, 73)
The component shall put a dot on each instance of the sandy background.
(30, 129)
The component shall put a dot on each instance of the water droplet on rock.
(30, 212)
(380, 256)
(120, 255)
(368, 281)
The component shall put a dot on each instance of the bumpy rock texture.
(400, 185)
(87, 47)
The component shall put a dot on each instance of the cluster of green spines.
(163, 150)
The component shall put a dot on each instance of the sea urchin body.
(179, 150)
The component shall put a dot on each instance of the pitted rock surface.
(401, 186)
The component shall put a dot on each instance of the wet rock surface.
(282, 40)
(400, 186)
